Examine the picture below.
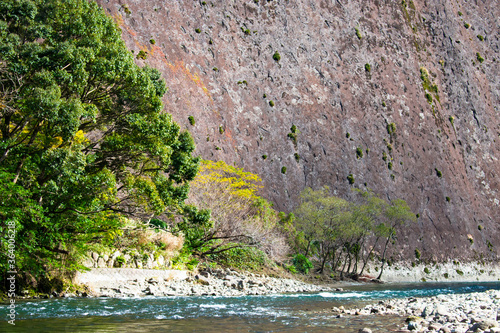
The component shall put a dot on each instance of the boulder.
(365, 330)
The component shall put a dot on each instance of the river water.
(272, 313)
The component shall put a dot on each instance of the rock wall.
(402, 95)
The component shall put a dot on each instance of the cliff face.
(412, 86)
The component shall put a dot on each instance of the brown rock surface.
(217, 60)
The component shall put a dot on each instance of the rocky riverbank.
(221, 282)
(459, 313)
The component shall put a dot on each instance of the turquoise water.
(272, 313)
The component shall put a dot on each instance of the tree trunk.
(383, 256)
(365, 261)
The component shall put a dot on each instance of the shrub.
(438, 173)
(142, 55)
(383, 104)
(358, 33)
(350, 178)
(191, 120)
(481, 38)
(479, 227)
(215, 69)
(426, 270)
(460, 13)
(297, 157)
(448, 199)
(391, 128)
(197, 30)
(429, 97)
(389, 165)
(451, 119)
(446, 275)
(221, 130)
(120, 261)
(417, 216)
(283, 170)
(459, 272)
(276, 56)
(466, 25)
(417, 253)
(368, 68)
(301, 263)
(359, 152)
(241, 257)
(384, 156)
(479, 58)
(271, 103)
(264, 157)
(152, 41)
(348, 135)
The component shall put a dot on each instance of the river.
(271, 313)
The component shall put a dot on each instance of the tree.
(84, 139)
(397, 214)
(237, 214)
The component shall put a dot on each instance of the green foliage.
(65, 73)
(391, 128)
(271, 103)
(428, 97)
(479, 227)
(142, 55)
(191, 120)
(389, 165)
(359, 152)
(383, 104)
(350, 178)
(264, 157)
(197, 30)
(293, 134)
(240, 256)
(417, 253)
(330, 227)
(221, 129)
(460, 13)
(297, 157)
(301, 263)
(426, 270)
(152, 41)
(283, 169)
(245, 31)
(368, 68)
(459, 272)
(466, 25)
(479, 58)
(358, 33)
(480, 37)
(438, 173)
(446, 275)
(276, 56)
(451, 119)
(347, 135)
(384, 156)
(448, 199)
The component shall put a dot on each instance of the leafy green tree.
(84, 139)
(396, 215)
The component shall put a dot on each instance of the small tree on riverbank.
(346, 233)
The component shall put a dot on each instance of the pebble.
(222, 282)
(458, 313)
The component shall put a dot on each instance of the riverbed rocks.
(459, 313)
(223, 282)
